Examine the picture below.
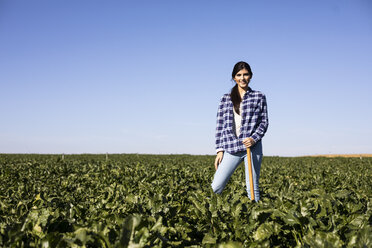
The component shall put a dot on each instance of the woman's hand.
(218, 159)
(248, 142)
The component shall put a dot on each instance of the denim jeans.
(231, 161)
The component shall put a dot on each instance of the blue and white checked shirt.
(254, 121)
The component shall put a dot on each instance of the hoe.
(250, 172)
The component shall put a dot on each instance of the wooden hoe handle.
(250, 173)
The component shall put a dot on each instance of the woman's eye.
(238, 75)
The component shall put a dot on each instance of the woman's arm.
(219, 126)
(264, 121)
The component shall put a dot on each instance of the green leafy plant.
(166, 201)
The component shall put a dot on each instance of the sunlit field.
(166, 201)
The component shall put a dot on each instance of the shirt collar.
(249, 90)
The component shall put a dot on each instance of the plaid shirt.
(254, 121)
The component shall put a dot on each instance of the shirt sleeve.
(219, 126)
(264, 121)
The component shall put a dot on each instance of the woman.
(241, 123)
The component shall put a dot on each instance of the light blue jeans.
(230, 162)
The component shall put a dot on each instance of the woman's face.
(242, 79)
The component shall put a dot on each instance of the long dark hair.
(235, 96)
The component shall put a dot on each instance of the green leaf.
(208, 239)
(358, 221)
(231, 244)
(321, 239)
(129, 225)
(81, 234)
(361, 238)
(291, 219)
(264, 231)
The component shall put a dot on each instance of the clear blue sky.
(146, 76)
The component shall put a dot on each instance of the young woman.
(241, 123)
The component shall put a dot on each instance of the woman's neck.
(242, 91)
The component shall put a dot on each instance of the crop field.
(166, 201)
